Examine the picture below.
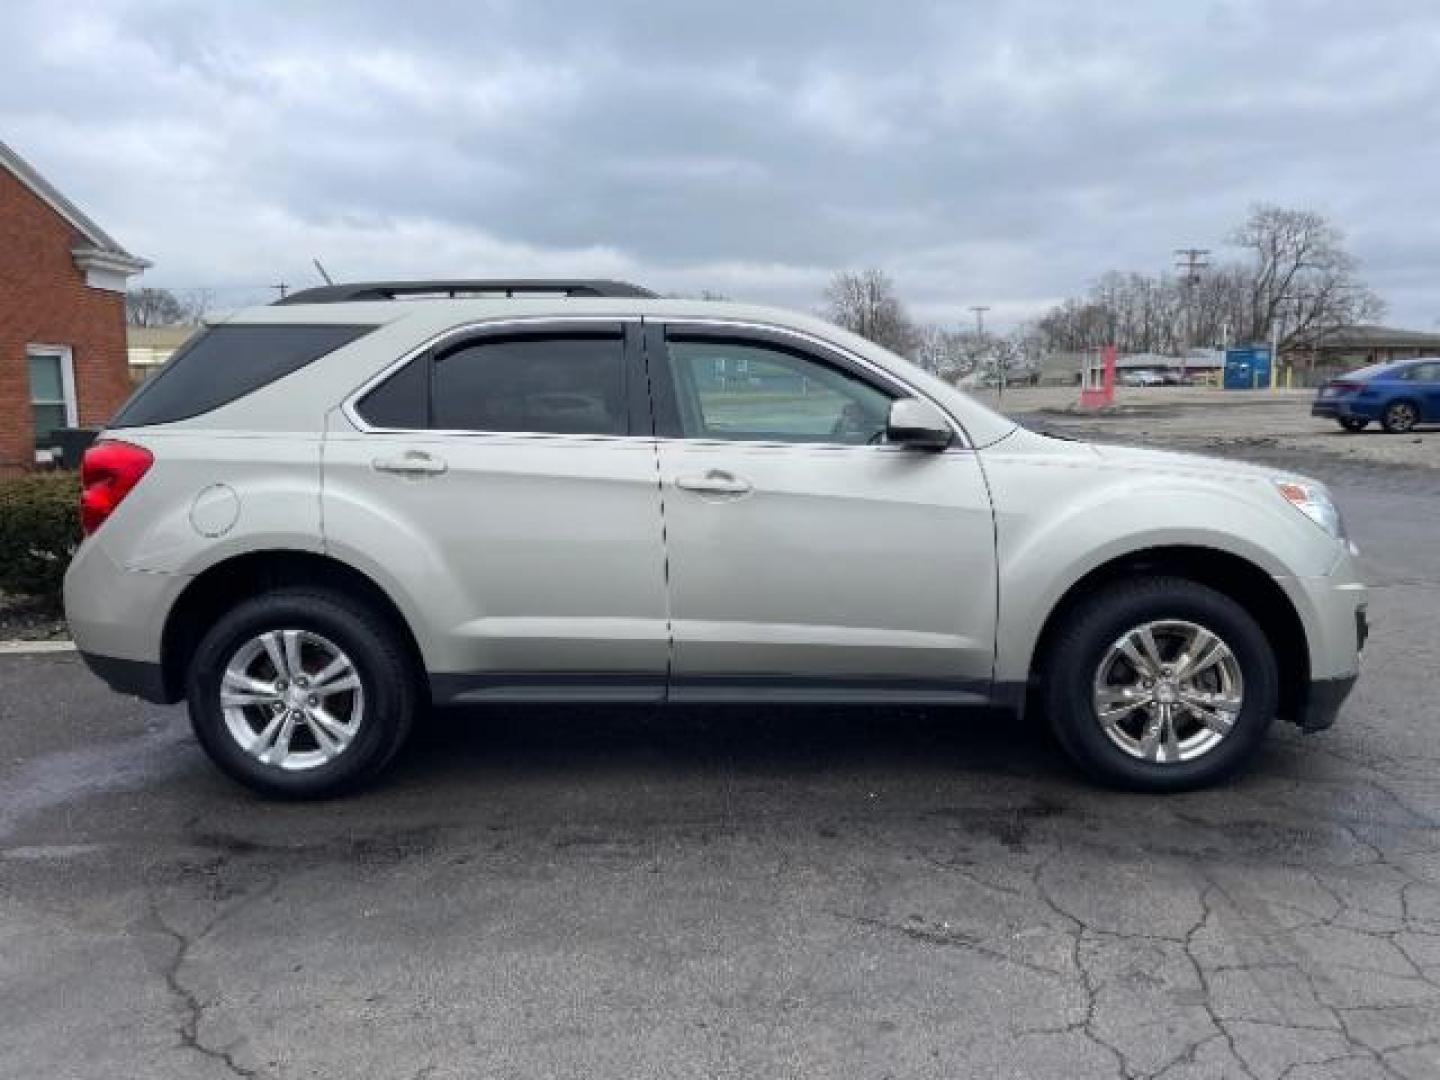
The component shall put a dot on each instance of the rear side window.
(227, 362)
(553, 383)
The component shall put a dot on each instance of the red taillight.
(1345, 387)
(109, 472)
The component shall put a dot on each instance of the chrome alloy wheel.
(292, 699)
(1168, 691)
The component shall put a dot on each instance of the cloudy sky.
(999, 153)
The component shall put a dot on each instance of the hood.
(1140, 457)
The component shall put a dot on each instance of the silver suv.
(328, 513)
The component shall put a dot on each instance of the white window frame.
(67, 386)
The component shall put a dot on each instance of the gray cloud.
(1003, 153)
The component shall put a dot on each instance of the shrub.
(39, 531)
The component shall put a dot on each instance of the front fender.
(1058, 520)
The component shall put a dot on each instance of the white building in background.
(149, 347)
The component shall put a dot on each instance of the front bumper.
(1322, 702)
(1334, 611)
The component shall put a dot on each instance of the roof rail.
(396, 290)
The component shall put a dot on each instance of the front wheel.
(1353, 423)
(301, 693)
(1161, 684)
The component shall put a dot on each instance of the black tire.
(1400, 417)
(381, 660)
(1354, 423)
(1096, 623)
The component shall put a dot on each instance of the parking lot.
(622, 892)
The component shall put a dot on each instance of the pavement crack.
(193, 1009)
(946, 937)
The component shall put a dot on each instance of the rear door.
(504, 482)
(807, 559)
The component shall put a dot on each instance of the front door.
(806, 558)
(504, 484)
(1426, 378)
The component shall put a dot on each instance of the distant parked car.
(1177, 378)
(1399, 395)
(1142, 378)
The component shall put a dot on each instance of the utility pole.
(1189, 261)
(282, 288)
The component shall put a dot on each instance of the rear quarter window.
(224, 363)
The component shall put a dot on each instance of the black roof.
(393, 290)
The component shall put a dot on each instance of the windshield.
(1370, 372)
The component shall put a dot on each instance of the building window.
(52, 393)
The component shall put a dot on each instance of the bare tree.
(161, 307)
(153, 307)
(1298, 279)
(943, 352)
(867, 304)
(198, 303)
(1303, 276)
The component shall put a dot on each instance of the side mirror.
(918, 425)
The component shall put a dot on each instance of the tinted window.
(568, 384)
(400, 401)
(750, 390)
(1426, 373)
(228, 362)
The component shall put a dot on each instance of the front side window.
(565, 384)
(750, 390)
(1425, 373)
(52, 394)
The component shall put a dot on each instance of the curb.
(35, 648)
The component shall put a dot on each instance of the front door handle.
(714, 482)
(411, 463)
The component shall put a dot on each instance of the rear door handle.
(411, 463)
(714, 482)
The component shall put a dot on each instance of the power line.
(1190, 261)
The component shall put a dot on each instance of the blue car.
(1399, 395)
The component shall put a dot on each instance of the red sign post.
(1097, 384)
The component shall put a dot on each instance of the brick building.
(62, 316)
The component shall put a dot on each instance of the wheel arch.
(1233, 575)
(221, 586)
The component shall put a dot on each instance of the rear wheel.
(301, 693)
(1353, 423)
(1161, 684)
(1400, 417)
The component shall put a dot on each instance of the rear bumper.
(134, 677)
(1343, 409)
(116, 612)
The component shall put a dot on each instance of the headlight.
(1314, 502)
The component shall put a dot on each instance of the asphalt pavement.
(622, 892)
